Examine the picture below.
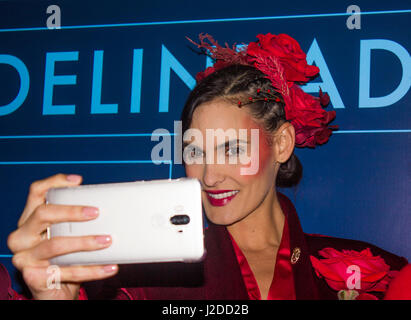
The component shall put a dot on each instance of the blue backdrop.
(86, 98)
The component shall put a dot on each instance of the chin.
(221, 217)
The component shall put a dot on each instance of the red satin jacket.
(223, 274)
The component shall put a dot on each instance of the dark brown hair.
(237, 83)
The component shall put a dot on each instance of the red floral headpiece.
(283, 62)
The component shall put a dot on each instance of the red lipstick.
(220, 198)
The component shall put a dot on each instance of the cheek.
(193, 171)
(261, 157)
(264, 153)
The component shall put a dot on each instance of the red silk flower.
(288, 51)
(308, 117)
(375, 274)
(400, 287)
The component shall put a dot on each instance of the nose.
(213, 174)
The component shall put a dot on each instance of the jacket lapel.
(223, 279)
(305, 287)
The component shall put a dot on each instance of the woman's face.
(229, 194)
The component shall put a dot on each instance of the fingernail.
(90, 212)
(103, 239)
(110, 269)
(73, 178)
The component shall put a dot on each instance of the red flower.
(374, 273)
(308, 117)
(288, 51)
(366, 296)
(400, 286)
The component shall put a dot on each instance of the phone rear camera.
(180, 219)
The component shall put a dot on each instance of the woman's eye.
(196, 153)
(192, 152)
(234, 151)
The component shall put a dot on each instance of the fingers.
(38, 191)
(80, 274)
(57, 246)
(29, 234)
(32, 252)
(48, 214)
(62, 245)
(50, 277)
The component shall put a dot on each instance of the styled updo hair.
(236, 83)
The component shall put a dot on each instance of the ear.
(284, 142)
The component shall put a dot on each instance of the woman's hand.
(32, 250)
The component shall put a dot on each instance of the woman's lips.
(220, 198)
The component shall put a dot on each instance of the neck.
(262, 228)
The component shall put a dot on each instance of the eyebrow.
(225, 144)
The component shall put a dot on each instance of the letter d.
(365, 101)
(24, 83)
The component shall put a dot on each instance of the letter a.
(354, 21)
(54, 21)
(354, 280)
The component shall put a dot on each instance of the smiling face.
(228, 194)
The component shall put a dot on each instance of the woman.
(255, 246)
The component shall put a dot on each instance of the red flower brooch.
(353, 274)
(283, 62)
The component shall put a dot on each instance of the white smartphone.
(149, 221)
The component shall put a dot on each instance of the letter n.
(169, 62)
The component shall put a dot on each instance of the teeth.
(222, 195)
